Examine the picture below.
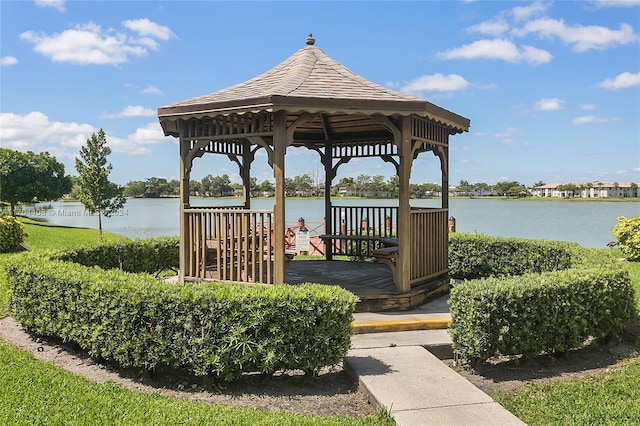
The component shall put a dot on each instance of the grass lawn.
(35, 392)
(612, 398)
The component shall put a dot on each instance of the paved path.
(396, 355)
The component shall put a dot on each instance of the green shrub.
(477, 256)
(528, 296)
(554, 311)
(627, 231)
(151, 255)
(213, 329)
(12, 233)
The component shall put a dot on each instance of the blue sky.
(552, 89)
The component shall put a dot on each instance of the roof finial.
(310, 40)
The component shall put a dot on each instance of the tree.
(97, 194)
(156, 187)
(134, 189)
(26, 176)
(195, 188)
(362, 183)
(393, 184)
(220, 186)
(464, 187)
(266, 187)
(505, 188)
(302, 185)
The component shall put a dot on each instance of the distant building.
(588, 190)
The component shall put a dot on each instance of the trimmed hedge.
(533, 312)
(12, 233)
(151, 255)
(217, 329)
(478, 256)
(552, 312)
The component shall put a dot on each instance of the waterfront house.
(588, 190)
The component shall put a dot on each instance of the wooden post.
(328, 178)
(279, 150)
(403, 265)
(245, 174)
(185, 173)
(443, 154)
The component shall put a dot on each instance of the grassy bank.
(34, 392)
(610, 398)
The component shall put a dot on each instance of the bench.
(329, 239)
(388, 256)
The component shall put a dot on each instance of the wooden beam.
(185, 173)
(256, 140)
(245, 173)
(403, 283)
(443, 154)
(279, 150)
(326, 127)
(329, 175)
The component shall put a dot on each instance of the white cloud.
(56, 4)
(501, 49)
(621, 81)
(7, 61)
(151, 90)
(150, 134)
(494, 28)
(549, 104)
(90, 44)
(593, 119)
(587, 107)
(36, 132)
(616, 3)
(138, 142)
(145, 27)
(436, 83)
(507, 136)
(521, 13)
(581, 37)
(132, 111)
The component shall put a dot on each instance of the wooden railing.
(232, 244)
(429, 244)
(229, 244)
(361, 221)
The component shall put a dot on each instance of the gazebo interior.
(312, 101)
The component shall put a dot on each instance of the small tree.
(26, 176)
(96, 192)
(627, 231)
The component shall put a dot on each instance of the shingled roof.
(312, 81)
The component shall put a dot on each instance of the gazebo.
(310, 100)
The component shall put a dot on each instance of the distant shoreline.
(501, 198)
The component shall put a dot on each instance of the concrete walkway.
(397, 359)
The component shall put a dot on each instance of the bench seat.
(388, 256)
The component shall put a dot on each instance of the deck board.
(372, 282)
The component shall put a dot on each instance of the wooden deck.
(370, 281)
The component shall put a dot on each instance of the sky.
(552, 88)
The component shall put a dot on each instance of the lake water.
(587, 223)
